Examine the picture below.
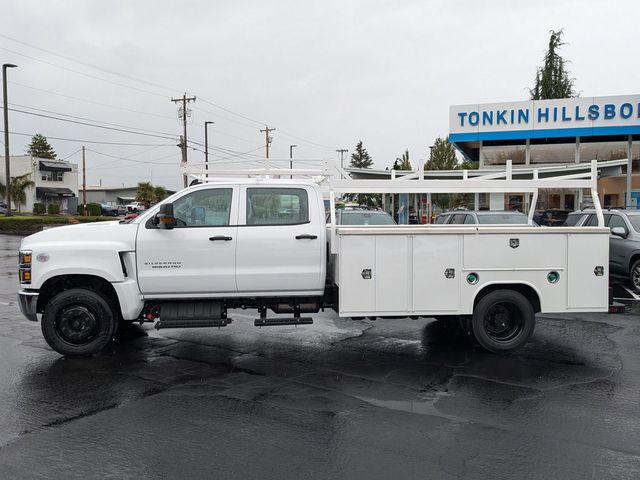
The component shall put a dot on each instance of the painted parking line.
(633, 294)
(5, 304)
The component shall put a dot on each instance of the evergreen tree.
(442, 156)
(402, 163)
(552, 79)
(40, 147)
(361, 158)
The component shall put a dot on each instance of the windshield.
(365, 218)
(635, 222)
(502, 218)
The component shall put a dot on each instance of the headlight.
(24, 267)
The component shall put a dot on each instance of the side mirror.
(619, 232)
(164, 218)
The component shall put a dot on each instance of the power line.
(83, 73)
(80, 140)
(117, 107)
(88, 124)
(152, 162)
(72, 154)
(86, 64)
(88, 119)
(156, 85)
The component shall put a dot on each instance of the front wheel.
(78, 322)
(503, 320)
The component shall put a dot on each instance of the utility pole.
(291, 147)
(206, 148)
(267, 142)
(342, 151)
(183, 115)
(7, 159)
(84, 184)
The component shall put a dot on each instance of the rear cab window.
(277, 206)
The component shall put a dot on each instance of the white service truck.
(263, 243)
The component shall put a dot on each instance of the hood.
(121, 235)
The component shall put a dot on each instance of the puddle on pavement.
(425, 407)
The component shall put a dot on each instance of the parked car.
(552, 217)
(122, 209)
(136, 207)
(3, 208)
(624, 241)
(363, 216)
(483, 217)
(108, 210)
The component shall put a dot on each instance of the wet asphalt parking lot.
(338, 399)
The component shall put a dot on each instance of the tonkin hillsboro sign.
(570, 117)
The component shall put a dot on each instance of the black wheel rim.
(503, 322)
(635, 277)
(77, 324)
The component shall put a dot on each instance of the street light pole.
(291, 147)
(206, 148)
(6, 134)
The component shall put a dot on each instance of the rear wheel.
(634, 276)
(78, 322)
(503, 320)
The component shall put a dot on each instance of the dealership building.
(556, 136)
(553, 137)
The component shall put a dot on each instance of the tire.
(634, 276)
(503, 320)
(78, 322)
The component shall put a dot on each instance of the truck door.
(280, 241)
(198, 255)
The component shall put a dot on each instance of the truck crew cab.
(263, 244)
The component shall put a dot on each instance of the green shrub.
(39, 208)
(92, 219)
(94, 209)
(53, 209)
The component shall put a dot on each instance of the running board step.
(216, 322)
(272, 322)
(192, 314)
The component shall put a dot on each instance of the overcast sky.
(324, 74)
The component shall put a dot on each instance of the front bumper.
(28, 302)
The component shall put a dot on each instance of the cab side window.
(441, 219)
(277, 206)
(469, 220)
(204, 208)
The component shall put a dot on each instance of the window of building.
(614, 150)
(48, 176)
(553, 152)
(277, 206)
(499, 155)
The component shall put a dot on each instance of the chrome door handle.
(220, 237)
